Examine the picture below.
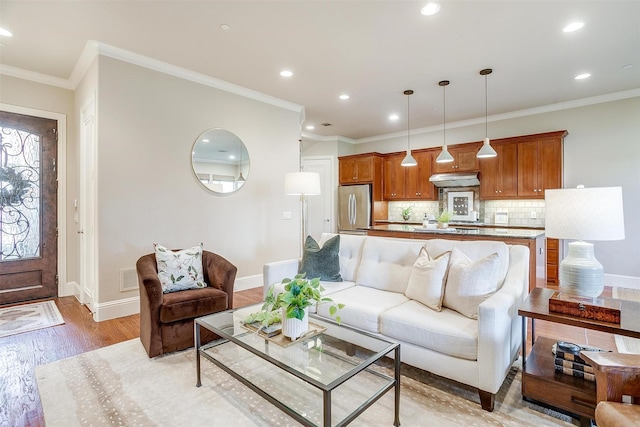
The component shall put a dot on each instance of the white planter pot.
(294, 328)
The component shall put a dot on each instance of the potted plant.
(444, 218)
(291, 306)
(406, 213)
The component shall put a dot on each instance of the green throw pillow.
(322, 262)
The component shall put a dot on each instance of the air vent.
(325, 124)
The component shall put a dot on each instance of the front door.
(28, 208)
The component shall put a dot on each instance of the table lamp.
(303, 184)
(583, 214)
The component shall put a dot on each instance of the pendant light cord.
(486, 107)
(408, 125)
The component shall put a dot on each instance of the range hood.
(455, 179)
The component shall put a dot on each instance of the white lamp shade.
(305, 183)
(408, 160)
(584, 213)
(486, 150)
(444, 156)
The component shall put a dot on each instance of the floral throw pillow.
(180, 270)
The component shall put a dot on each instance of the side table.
(540, 381)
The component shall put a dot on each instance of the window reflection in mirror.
(220, 161)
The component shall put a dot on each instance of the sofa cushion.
(446, 332)
(349, 254)
(386, 264)
(363, 306)
(321, 262)
(428, 276)
(469, 283)
(179, 270)
(474, 250)
(191, 303)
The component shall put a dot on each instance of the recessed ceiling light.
(626, 67)
(344, 97)
(574, 26)
(310, 127)
(231, 157)
(394, 117)
(225, 27)
(5, 33)
(286, 73)
(430, 9)
(205, 140)
(582, 76)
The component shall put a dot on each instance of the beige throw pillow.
(469, 283)
(428, 276)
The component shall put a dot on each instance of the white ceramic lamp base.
(580, 272)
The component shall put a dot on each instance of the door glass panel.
(20, 170)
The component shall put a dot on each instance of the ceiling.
(371, 50)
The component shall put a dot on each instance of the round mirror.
(220, 161)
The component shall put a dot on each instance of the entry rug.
(627, 344)
(29, 317)
(120, 385)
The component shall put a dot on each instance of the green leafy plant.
(265, 318)
(444, 217)
(299, 294)
(406, 213)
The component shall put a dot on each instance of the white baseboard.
(631, 282)
(248, 282)
(113, 309)
(68, 289)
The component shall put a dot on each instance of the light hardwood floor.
(20, 354)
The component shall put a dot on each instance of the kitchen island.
(532, 238)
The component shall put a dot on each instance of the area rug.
(29, 317)
(120, 385)
(627, 344)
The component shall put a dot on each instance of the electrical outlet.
(534, 215)
(287, 215)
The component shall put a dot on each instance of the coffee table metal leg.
(196, 339)
(396, 421)
(326, 410)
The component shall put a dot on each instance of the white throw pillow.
(428, 276)
(469, 283)
(180, 270)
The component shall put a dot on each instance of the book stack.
(567, 360)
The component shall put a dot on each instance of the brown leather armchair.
(166, 320)
(617, 375)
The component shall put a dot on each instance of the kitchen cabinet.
(540, 164)
(464, 159)
(553, 262)
(499, 175)
(408, 182)
(394, 177)
(358, 169)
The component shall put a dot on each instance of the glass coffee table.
(326, 379)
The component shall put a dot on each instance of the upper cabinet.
(411, 182)
(540, 164)
(499, 175)
(464, 159)
(358, 169)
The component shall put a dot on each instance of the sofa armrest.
(219, 273)
(499, 332)
(274, 272)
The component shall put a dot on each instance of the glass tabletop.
(324, 360)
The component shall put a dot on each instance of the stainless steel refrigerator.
(354, 208)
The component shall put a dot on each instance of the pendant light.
(444, 156)
(486, 150)
(240, 177)
(408, 159)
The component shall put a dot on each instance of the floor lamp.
(302, 184)
(583, 214)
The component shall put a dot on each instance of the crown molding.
(600, 99)
(36, 77)
(332, 138)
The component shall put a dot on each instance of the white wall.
(148, 122)
(602, 149)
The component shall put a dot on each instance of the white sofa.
(375, 271)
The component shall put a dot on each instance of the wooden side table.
(540, 381)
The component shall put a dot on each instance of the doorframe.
(64, 288)
(333, 185)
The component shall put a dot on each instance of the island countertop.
(455, 230)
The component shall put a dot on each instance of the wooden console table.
(540, 382)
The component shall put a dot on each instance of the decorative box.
(601, 309)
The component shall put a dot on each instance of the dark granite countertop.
(515, 233)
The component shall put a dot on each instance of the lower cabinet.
(552, 261)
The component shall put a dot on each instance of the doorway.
(28, 208)
(320, 212)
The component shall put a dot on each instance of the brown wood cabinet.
(540, 164)
(411, 182)
(552, 261)
(464, 158)
(499, 175)
(357, 169)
